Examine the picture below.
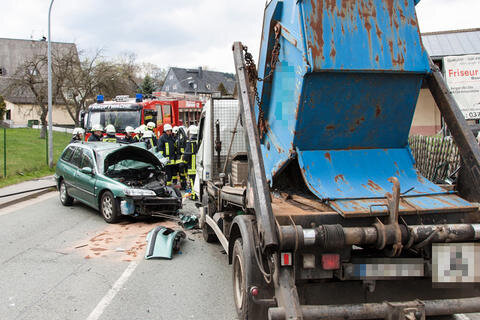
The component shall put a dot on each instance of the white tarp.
(462, 74)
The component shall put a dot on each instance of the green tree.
(3, 108)
(148, 85)
(223, 91)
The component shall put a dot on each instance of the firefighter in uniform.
(190, 157)
(96, 133)
(138, 134)
(128, 135)
(181, 165)
(110, 131)
(151, 127)
(166, 146)
(149, 139)
(77, 135)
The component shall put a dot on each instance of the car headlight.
(139, 192)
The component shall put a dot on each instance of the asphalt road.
(67, 263)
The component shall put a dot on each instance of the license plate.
(455, 262)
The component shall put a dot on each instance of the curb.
(28, 197)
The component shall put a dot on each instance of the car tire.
(243, 279)
(65, 198)
(109, 207)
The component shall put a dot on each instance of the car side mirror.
(87, 170)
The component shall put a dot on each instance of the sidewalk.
(42, 183)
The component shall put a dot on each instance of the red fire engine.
(123, 112)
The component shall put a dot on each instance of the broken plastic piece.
(188, 222)
(162, 242)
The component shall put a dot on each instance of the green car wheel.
(65, 199)
(109, 207)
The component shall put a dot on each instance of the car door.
(85, 182)
(65, 168)
(70, 174)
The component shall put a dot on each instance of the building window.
(209, 87)
(174, 87)
(3, 71)
(167, 88)
(170, 77)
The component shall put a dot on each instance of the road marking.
(461, 316)
(107, 299)
(24, 204)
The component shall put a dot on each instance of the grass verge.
(26, 154)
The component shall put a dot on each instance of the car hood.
(130, 152)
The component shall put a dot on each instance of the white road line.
(461, 316)
(107, 299)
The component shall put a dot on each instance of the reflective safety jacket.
(110, 138)
(166, 146)
(150, 142)
(190, 155)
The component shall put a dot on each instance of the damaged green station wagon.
(116, 179)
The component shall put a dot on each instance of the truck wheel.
(243, 273)
(109, 207)
(65, 199)
(207, 232)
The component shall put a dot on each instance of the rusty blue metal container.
(342, 96)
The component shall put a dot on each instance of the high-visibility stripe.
(109, 140)
(167, 149)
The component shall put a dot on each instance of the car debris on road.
(162, 242)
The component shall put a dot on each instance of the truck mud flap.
(162, 242)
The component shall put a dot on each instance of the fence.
(436, 157)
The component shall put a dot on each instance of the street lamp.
(50, 134)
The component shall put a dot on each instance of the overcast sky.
(183, 33)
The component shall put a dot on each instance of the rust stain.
(316, 23)
(333, 53)
(330, 127)
(378, 111)
(339, 177)
(328, 157)
(374, 186)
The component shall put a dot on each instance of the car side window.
(77, 158)
(87, 160)
(67, 154)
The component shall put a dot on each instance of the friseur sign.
(462, 74)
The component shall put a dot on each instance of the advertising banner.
(462, 74)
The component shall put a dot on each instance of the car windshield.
(119, 119)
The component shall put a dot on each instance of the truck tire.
(207, 232)
(109, 207)
(244, 268)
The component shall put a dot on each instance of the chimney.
(200, 72)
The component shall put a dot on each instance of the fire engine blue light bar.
(100, 98)
(139, 97)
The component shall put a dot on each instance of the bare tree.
(30, 79)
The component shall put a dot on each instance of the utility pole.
(50, 134)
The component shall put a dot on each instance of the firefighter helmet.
(110, 129)
(151, 125)
(167, 127)
(129, 129)
(175, 129)
(97, 127)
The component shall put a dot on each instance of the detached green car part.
(162, 242)
(116, 179)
